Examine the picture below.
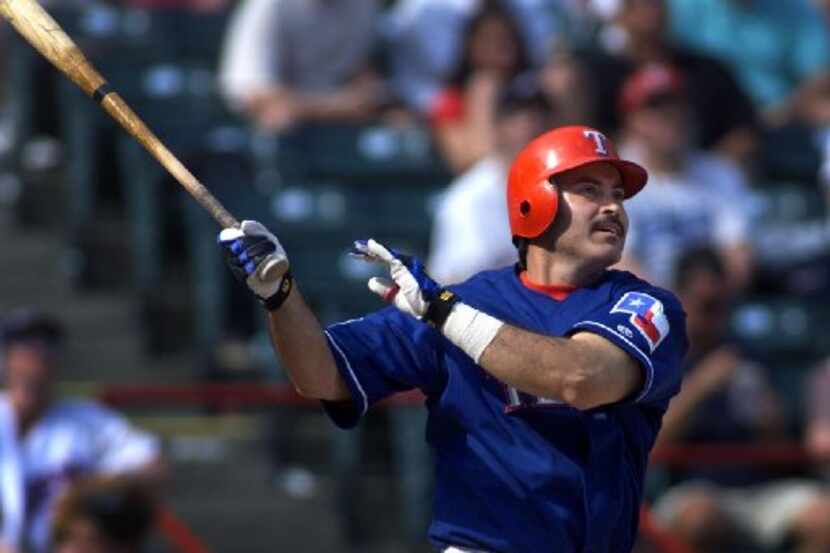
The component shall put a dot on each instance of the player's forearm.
(546, 366)
(299, 340)
(583, 371)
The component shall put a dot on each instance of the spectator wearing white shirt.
(471, 232)
(285, 62)
(45, 443)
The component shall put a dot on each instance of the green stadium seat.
(359, 205)
(201, 35)
(375, 152)
(790, 153)
(782, 329)
(785, 202)
(791, 240)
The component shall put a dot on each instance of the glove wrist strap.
(440, 307)
(275, 302)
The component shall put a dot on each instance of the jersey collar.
(556, 291)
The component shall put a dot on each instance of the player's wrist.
(274, 301)
(470, 329)
(440, 307)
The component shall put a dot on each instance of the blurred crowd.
(725, 102)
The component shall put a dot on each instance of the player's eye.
(588, 188)
(619, 194)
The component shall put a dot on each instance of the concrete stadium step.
(234, 507)
(104, 332)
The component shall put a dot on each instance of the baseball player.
(546, 381)
(45, 443)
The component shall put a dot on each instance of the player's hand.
(248, 250)
(414, 292)
(411, 289)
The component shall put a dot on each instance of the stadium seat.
(200, 35)
(792, 241)
(790, 153)
(375, 152)
(780, 329)
(783, 201)
(363, 206)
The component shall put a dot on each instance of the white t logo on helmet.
(599, 141)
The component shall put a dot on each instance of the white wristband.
(470, 329)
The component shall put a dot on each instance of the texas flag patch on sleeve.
(647, 316)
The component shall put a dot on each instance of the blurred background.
(334, 120)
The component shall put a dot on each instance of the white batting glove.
(411, 290)
(249, 250)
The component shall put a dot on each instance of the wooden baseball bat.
(45, 34)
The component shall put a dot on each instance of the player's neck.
(548, 269)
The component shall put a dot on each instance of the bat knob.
(273, 269)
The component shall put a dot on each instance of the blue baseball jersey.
(518, 473)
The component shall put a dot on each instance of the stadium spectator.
(462, 115)
(47, 443)
(728, 398)
(786, 73)
(693, 198)
(425, 39)
(103, 515)
(285, 62)
(636, 34)
(471, 232)
(567, 85)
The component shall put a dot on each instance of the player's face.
(28, 375)
(591, 222)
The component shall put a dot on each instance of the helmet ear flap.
(539, 207)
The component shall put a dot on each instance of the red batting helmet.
(532, 200)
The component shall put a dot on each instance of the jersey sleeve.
(119, 446)
(381, 354)
(649, 326)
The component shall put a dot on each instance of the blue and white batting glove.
(412, 291)
(249, 251)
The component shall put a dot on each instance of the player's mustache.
(611, 220)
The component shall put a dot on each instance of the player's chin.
(607, 251)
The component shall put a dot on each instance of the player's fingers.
(360, 250)
(365, 251)
(230, 234)
(380, 251)
(254, 228)
(387, 290)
